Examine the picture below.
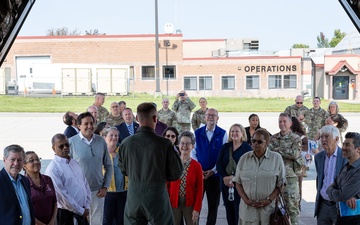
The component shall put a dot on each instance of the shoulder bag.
(280, 215)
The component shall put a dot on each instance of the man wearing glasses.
(208, 142)
(298, 110)
(71, 187)
(115, 117)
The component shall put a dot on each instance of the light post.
(167, 74)
(157, 80)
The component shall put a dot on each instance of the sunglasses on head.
(170, 136)
(257, 141)
(63, 146)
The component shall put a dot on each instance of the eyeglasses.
(185, 143)
(257, 141)
(210, 115)
(63, 146)
(34, 160)
(300, 103)
(170, 136)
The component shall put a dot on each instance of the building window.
(274, 81)
(169, 72)
(228, 83)
(190, 83)
(289, 81)
(252, 82)
(148, 72)
(205, 83)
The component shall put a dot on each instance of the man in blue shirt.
(208, 142)
(15, 201)
(328, 164)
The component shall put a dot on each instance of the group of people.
(113, 168)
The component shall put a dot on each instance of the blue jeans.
(114, 208)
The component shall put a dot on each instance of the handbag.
(231, 166)
(280, 215)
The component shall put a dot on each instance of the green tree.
(63, 31)
(322, 41)
(300, 46)
(338, 36)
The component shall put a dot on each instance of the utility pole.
(157, 78)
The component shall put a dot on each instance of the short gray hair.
(107, 130)
(189, 135)
(330, 129)
(14, 149)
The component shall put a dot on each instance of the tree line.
(323, 42)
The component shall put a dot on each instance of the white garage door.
(24, 72)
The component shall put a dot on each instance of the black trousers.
(66, 217)
(231, 207)
(212, 190)
(348, 220)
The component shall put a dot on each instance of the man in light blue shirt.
(328, 164)
(209, 140)
(15, 201)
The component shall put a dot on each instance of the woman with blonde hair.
(115, 198)
(226, 166)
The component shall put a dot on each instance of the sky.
(277, 24)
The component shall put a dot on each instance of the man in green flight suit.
(149, 161)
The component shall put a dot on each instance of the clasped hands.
(257, 204)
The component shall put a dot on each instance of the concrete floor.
(34, 131)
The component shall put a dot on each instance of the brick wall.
(139, 50)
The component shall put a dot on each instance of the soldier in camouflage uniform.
(102, 112)
(198, 117)
(288, 145)
(166, 115)
(299, 111)
(317, 117)
(183, 107)
(115, 117)
(93, 110)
